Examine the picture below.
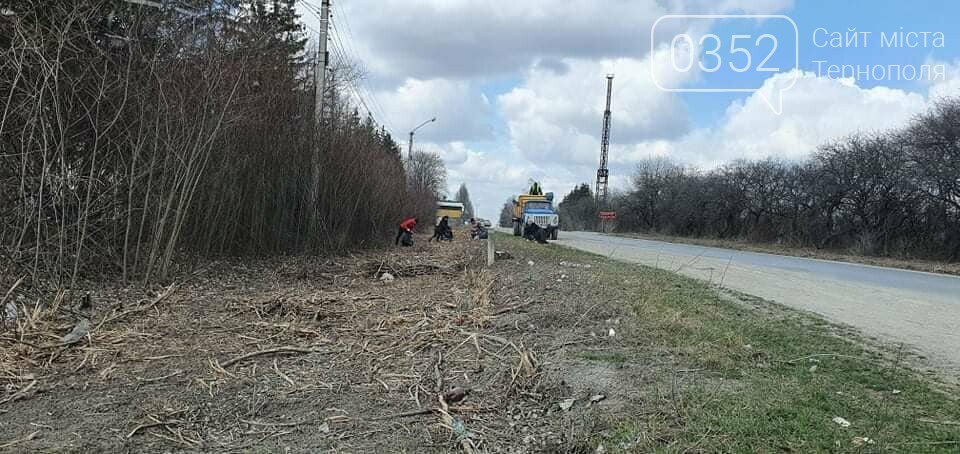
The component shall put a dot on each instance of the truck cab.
(539, 209)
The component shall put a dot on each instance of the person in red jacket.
(406, 226)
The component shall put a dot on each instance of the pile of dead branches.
(412, 350)
(247, 354)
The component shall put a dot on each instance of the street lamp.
(410, 144)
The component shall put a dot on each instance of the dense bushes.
(894, 193)
(129, 135)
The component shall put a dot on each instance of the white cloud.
(468, 38)
(462, 112)
(816, 110)
(949, 87)
(557, 117)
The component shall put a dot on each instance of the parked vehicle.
(536, 207)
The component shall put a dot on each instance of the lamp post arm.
(410, 144)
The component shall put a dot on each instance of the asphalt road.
(920, 310)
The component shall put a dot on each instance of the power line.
(362, 92)
(346, 21)
(352, 48)
(377, 105)
(350, 54)
(164, 5)
(345, 52)
(312, 9)
(341, 57)
(325, 20)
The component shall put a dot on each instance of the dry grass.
(241, 356)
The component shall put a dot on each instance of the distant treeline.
(131, 135)
(893, 193)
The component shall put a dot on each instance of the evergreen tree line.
(578, 210)
(506, 214)
(463, 196)
(131, 136)
(892, 193)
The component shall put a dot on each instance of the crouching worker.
(477, 231)
(442, 230)
(549, 231)
(533, 232)
(405, 232)
(480, 233)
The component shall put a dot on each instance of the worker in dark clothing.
(473, 228)
(533, 232)
(406, 229)
(477, 231)
(442, 230)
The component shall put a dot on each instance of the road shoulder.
(551, 350)
(927, 266)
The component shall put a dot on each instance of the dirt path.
(919, 309)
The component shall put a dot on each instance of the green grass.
(757, 391)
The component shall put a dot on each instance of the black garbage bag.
(406, 239)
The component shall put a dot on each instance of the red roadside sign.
(608, 215)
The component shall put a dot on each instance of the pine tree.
(578, 210)
(273, 28)
(506, 214)
(463, 196)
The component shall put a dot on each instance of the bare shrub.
(131, 135)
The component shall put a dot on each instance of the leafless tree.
(885, 193)
(427, 174)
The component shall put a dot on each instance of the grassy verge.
(768, 248)
(750, 376)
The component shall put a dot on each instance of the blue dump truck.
(537, 207)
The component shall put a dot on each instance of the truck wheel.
(554, 234)
(516, 228)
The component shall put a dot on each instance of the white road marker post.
(490, 252)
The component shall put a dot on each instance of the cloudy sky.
(518, 86)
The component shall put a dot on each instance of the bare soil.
(313, 354)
